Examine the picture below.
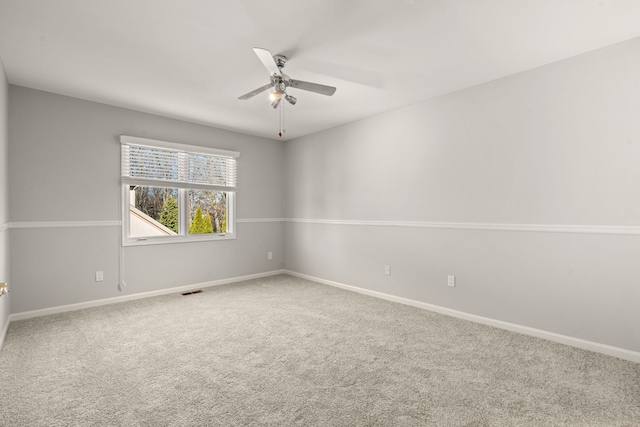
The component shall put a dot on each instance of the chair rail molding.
(544, 228)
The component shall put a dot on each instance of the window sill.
(181, 239)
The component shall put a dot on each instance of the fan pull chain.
(282, 130)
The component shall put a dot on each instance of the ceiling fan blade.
(255, 92)
(313, 87)
(267, 59)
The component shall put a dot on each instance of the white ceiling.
(191, 59)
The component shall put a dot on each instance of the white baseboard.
(525, 330)
(79, 306)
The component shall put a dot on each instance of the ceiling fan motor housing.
(281, 60)
(280, 83)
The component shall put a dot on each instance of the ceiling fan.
(280, 81)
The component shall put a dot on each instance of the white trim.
(168, 240)
(126, 180)
(541, 228)
(64, 224)
(260, 220)
(546, 228)
(154, 143)
(95, 303)
(525, 330)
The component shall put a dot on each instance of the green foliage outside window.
(201, 224)
(224, 222)
(169, 214)
(208, 227)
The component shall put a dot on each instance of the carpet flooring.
(282, 351)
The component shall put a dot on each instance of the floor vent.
(192, 292)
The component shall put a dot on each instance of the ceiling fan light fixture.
(276, 102)
(276, 94)
(291, 99)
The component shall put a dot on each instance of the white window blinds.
(147, 161)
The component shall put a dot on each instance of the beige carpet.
(282, 351)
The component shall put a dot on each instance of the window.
(176, 193)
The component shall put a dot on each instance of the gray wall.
(65, 167)
(557, 145)
(4, 198)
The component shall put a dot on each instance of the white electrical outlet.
(269, 255)
(451, 281)
(387, 270)
(99, 276)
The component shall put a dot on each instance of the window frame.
(183, 235)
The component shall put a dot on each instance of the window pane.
(153, 211)
(207, 211)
